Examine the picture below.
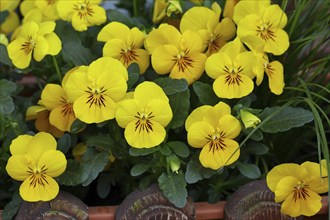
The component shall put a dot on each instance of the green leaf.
(7, 87)
(289, 117)
(3, 16)
(165, 150)
(180, 105)
(139, 169)
(102, 141)
(195, 171)
(172, 86)
(256, 148)
(94, 163)
(6, 102)
(205, 93)
(174, 188)
(63, 143)
(77, 53)
(103, 186)
(4, 56)
(12, 207)
(133, 74)
(115, 15)
(77, 126)
(249, 170)
(142, 152)
(73, 175)
(179, 148)
(256, 136)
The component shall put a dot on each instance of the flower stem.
(57, 69)
(135, 8)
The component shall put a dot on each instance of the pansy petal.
(46, 27)
(106, 65)
(231, 87)
(54, 43)
(41, 143)
(196, 115)
(113, 30)
(161, 110)
(147, 91)
(79, 23)
(199, 134)
(98, 16)
(278, 44)
(139, 137)
(52, 95)
(53, 162)
(284, 187)
(216, 64)
(20, 144)
(93, 110)
(18, 166)
(283, 170)
(62, 117)
(41, 48)
(244, 8)
(192, 41)
(216, 157)
(230, 126)
(113, 48)
(39, 192)
(143, 59)
(19, 57)
(114, 84)
(189, 21)
(163, 58)
(135, 38)
(275, 75)
(279, 20)
(126, 111)
(307, 207)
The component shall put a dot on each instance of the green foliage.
(205, 93)
(287, 118)
(195, 171)
(6, 101)
(180, 105)
(74, 174)
(249, 170)
(174, 188)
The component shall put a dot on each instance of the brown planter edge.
(204, 211)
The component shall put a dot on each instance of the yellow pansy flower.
(214, 132)
(145, 116)
(48, 8)
(229, 8)
(96, 89)
(298, 187)
(265, 21)
(3, 39)
(12, 20)
(36, 39)
(35, 161)
(175, 53)
(82, 13)
(41, 115)
(274, 71)
(124, 44)
(231, 68)
(215, 34)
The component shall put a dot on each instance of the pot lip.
(204, 210)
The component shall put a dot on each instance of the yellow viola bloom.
(163, 8)
(298, 187)
(249, 120)
(82, 13)
(145, 116)
(35, 161)
(215, 34)
(214, 132)
(48, 8)
(34, 39)
(274, 71)
(228, 11)
(41, 115)
(124, 44)
(96, 89)
(265, 21)
(175, 53)
(231, 68)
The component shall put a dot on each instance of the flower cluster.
(180, 98)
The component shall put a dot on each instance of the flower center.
(28, 46)
(96, 96)
(233, 76)
(144, 123)
(300, 192)
(265, 33)
(83, 9)
(183, 61)
(216, 142)
(51, 2)
(214, 44)
(37, 177)
(67, 108)
(128, 55)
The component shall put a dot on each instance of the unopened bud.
(249, 120)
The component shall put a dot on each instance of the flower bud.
(174, 163)
(249, 120)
